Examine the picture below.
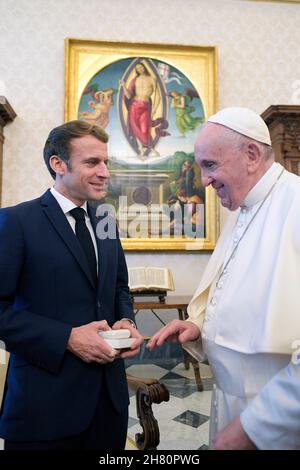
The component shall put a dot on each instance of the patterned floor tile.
(170, 376)
(167, 352)
(180, 369)
(167, 411)
(203, 447)
(180, 387)
(208, 384)
(199, 402)
(132, 421)
(191, 418)
(147, 370)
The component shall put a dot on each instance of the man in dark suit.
(66, 387)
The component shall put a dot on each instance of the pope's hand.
(233, 437)
(177, 331)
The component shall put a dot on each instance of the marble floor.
(184, 419)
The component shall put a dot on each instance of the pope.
(244, 317)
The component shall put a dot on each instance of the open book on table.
(150, 279)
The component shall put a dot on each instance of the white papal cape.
(250, 318)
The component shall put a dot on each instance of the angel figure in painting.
(100, 108)
(183, 110)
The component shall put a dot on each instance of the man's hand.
(233, 437)
(135, 347)
(85, 342)
(177, 331)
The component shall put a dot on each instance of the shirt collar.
(260, 190)
(65, 204)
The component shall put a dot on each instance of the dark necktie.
(85, 239)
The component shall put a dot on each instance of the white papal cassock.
(249, 315)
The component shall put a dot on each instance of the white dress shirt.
(66, 206)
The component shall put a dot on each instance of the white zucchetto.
(244, 121)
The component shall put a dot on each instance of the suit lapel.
(59, 221)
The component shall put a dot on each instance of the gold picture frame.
(151, 99)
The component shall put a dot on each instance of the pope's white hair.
(240, 141)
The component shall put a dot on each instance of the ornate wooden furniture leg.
(148, 391)
(196, 367)
(188, 359)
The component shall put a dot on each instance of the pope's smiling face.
(223, 165)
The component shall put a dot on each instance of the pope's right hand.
(177, 331)
(85, 342)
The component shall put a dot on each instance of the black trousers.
(107, 431)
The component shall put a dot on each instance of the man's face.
(87, 175)
(140, 69)
(223, 166)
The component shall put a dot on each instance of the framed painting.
(152, 100)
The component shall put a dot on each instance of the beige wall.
(259, 59)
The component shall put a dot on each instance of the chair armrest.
(148, 391)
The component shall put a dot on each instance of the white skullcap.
(245, 121)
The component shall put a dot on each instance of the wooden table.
(179, 303)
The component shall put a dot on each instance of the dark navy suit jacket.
(45, 290)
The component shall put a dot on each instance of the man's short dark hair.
(58, 142)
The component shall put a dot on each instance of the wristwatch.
(131, 322)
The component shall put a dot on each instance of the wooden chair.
(147, 391)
